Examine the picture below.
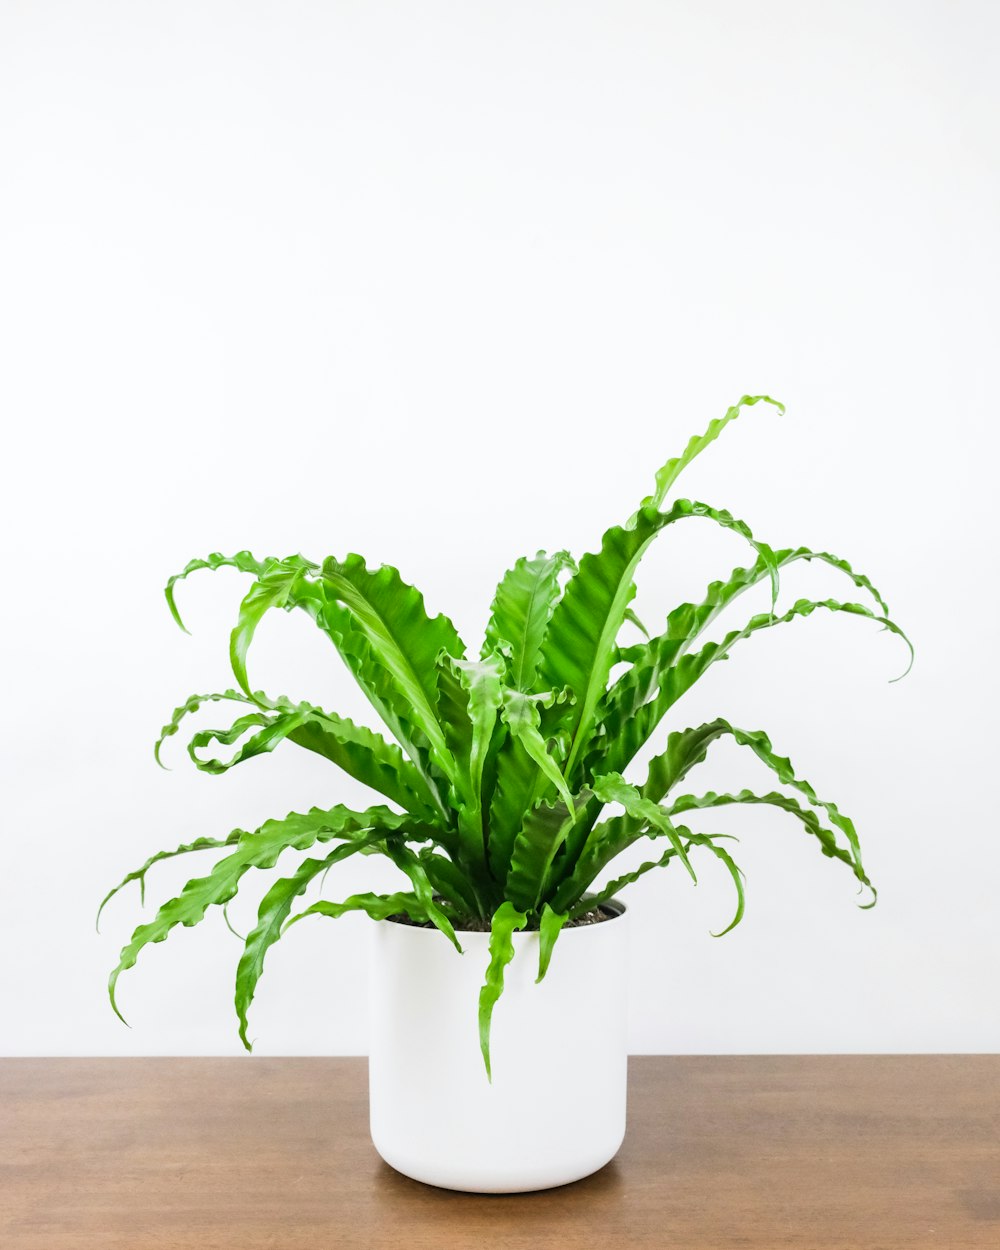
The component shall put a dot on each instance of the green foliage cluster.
(499, 768)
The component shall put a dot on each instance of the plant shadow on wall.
(502, 766)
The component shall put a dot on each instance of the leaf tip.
(111, 996)
(172, 605)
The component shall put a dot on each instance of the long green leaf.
(358, 751)
(377, 906)
(542, 833)
(469, 700)
(522, 717)
(580, 644)
(720, 853)
(274, 910)
(292, 583)
(550, 925)
(259, 849)
(506, 919)
(624, 735)
(685, 624)
(405, 641)
(411, 864)
(139, 874)
(685, 749)
(191, 705)
(806, 815)
(613, 788)
(781, 766)
(521, 610)
(245, 561)
(283, 584)
(663, 775)
(589, 901)
(668, 473)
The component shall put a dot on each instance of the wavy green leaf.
(377, 906)
(358, 751)
(291, 583)
(470, 695)
(613, 788)
(685, 624)
(589, 901)
(580, 645)
(407, 862)
(522, 716)
(550, 925)
(405, 641)
(692, 748)
(781, 766)
(542, 833)
(668, 473)
(625, 735)
(685, 749)
(826, 837)
(452, 883)
(273, 913)
(284, 584)
(139, 874)
(506, 919)
(720, 853)
(245, 561)
(521, 611)
(259, 849)
(191, 705)
(523, 779)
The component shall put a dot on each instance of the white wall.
(444, 283)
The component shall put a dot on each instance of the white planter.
(555, 1111)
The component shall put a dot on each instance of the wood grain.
(812, 1152)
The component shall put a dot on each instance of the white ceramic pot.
(555, 1111)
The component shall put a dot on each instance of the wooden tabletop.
(852, 1152)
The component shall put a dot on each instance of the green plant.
(502, 765)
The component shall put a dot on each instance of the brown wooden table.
(855, 1152)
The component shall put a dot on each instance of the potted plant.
(497, 786)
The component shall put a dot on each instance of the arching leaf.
(411, 864)
(685, 625)
(805, 815)
(377, 906)
(668, 473)
(624, 735)
(273, 913)
(549, 927)
(245, 561)
(139, 874)
(259, 849)
(580, 644)
(506, 919)
(612, 788)
(191, 705)
(360, 752)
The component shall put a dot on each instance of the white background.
(445, 283)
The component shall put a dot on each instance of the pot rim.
(613, 906)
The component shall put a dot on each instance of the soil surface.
(483, 926)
